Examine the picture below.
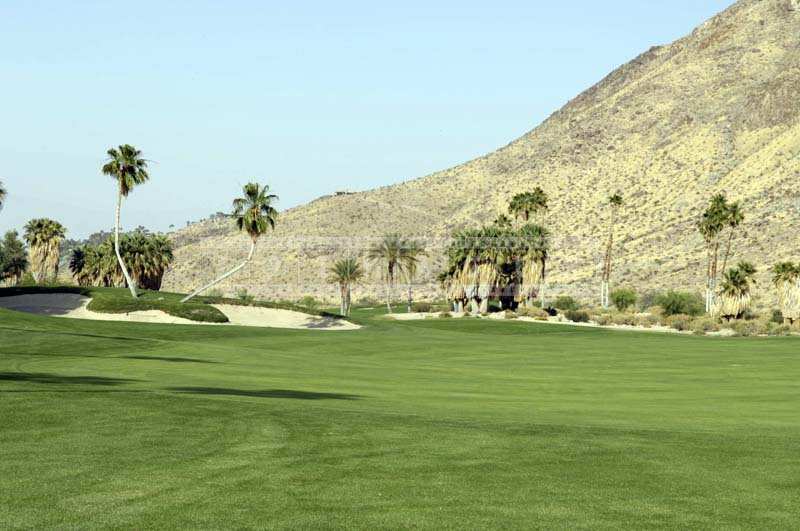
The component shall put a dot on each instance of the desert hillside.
(717, 111)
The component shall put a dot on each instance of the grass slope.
(433, 424)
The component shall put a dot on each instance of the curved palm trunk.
(127, 275)
(213, 283)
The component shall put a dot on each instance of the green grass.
(454, 423)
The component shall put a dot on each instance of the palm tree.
(345, 273)
(13, 258)
(615, 202)
(735, 292)
(2, 195)
(394, 253)
(734, 217)
(528, 203)
(253, 214)
(414, 251)
(44, 237)
(125, 165)
(711, 224)
(786, 277)
(533, 250)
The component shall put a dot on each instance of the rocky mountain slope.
(717, 111)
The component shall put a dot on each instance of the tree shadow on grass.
(166, 358)
(268, 393)
(46, 378)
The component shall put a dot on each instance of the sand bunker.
(73, 306)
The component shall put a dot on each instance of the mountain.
(716, 111)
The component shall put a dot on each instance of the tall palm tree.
(734, 217)
(534, 251)
(254, 214)
(414, 251)
(786, 278)
(394, 254)
(615, 202)
(711, 225)
(44, 237)
(345, 273)
(125, 165)
(735, 291)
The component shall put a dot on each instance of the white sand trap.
(256, 316)
(73, 306)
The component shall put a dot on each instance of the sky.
(309, 97)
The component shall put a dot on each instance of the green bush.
(623, 298)
(777, 317)
(681, 303)
(309, 302)
(566, 303)
(243, 296)
(216, 293)
(115, 302)
(679, 321)
(421, 307)
(577, 316)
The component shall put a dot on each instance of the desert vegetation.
(44, 237)
(148, 256)
(345, 273)
(395, 256)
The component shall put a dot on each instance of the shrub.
(603, 319)
(626, 319)
(214, 293)
(649, 299)
(577, 316)
(647, 320)
(309, 302)
(623, 298)
(681, 303)
(679, 321)
(536, 313)
(243, 296)
(508, 314)
(777, 317)
(749, 328)
(445, 315)
(421, 307)
(566, 303)
(655, 311)
(703, 325)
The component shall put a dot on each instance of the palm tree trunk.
(128, 279)
(727, 251)
(223, 277)
(410, 300)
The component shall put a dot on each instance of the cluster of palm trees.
(44, 237)
(500, 261)
(719, 220)
(148, 257)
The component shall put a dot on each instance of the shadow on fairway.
(269, 393)
(45, 378)
(165, 358)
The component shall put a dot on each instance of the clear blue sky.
(308, 96)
